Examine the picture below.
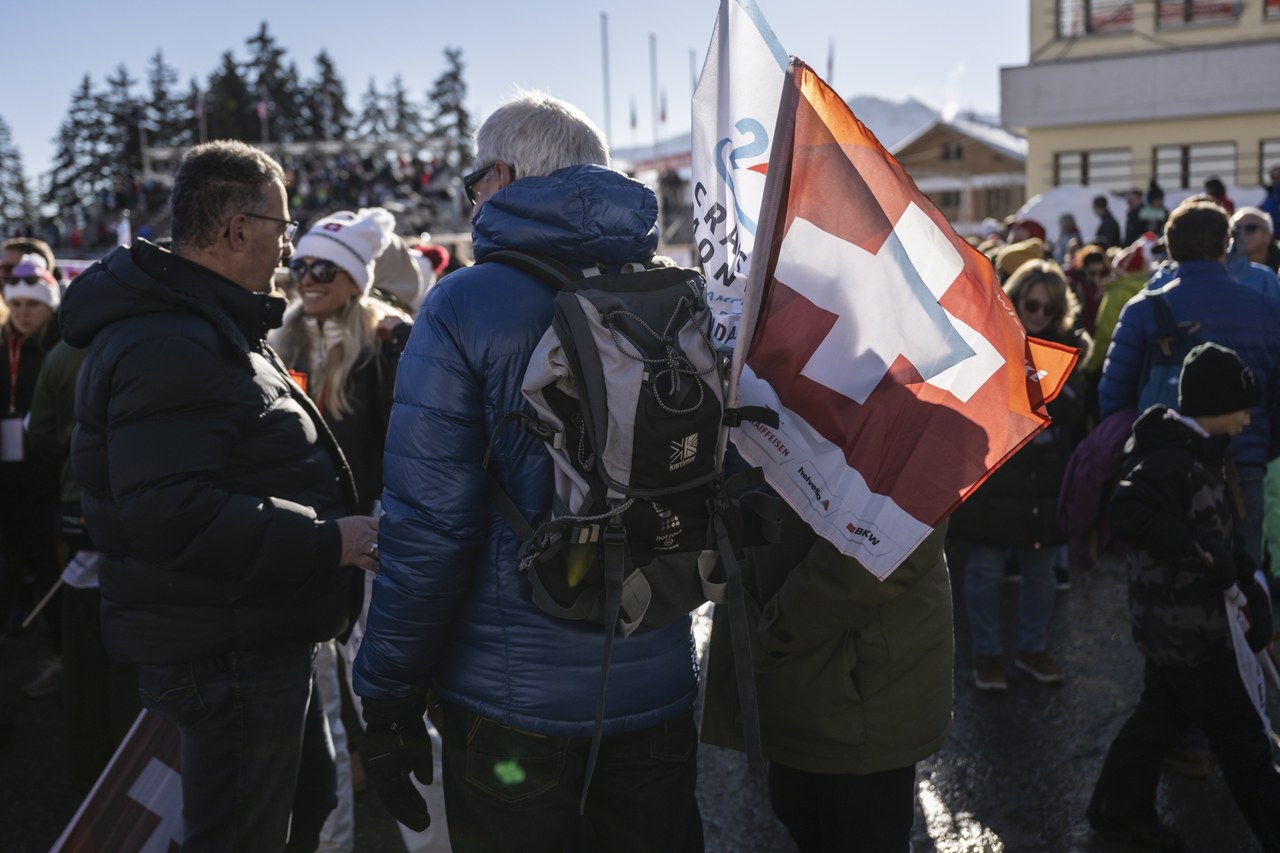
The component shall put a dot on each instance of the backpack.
(628, 393)
(1162, 364)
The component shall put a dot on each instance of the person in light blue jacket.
(450, 608)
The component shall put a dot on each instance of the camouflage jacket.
(1172, 509)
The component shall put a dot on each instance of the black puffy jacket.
(207, 474)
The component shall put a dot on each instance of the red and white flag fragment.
(898, 367)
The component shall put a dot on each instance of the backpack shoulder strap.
(545, 268)
(1166, 323)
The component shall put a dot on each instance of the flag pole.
(604, 61)
(776, 182)
(657, 170)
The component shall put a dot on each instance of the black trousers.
(839, 812)
(507, 789)
(1213, 697)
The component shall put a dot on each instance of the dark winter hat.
(1215, 381)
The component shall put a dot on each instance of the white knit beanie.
(45, 289)
(353, 241)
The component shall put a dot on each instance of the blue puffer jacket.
(1229, 314)
(450, 607)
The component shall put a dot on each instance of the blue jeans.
(507, 789)
(255, 747)
(982, 576)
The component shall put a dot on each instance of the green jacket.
(53, 413)
(854, 674)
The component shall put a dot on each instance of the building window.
(952, 151)
(1108, 169)
(1185, 167)
(1271, 11)
(1269, 157)
(1172, 14)
(1078, 18)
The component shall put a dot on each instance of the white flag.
(735, 108)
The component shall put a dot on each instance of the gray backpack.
(628, 393)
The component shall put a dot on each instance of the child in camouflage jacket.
(1173, 509)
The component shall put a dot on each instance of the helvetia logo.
(684, 451)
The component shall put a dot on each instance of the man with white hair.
(451, 609)
(1251, 227)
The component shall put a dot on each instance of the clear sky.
(944, 53)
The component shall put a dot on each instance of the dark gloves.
(1258, 603)
(396, 744)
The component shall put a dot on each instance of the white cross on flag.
(136, 804)
(899, 369)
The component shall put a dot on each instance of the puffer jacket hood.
(121, 286)
(581, 214)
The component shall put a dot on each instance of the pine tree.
(325, 112)
(17, 206)
(120, 156)
(405, 119)
(230, 107)
(74, 181)
(372, 122)
(279, 85)
(168, 118)
(450, 121)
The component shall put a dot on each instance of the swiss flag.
(136, 804)
(899, 368)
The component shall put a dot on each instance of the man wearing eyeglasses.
(451, 608)
(221, 503)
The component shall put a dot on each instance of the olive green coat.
(854, 674)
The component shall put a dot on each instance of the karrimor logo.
(683, 451)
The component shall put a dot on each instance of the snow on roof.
(991, 135)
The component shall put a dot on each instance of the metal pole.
(604, 59)
(653, 85)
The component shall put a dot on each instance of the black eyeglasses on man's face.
(290, 225)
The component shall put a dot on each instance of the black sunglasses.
(25, 279)
(322, 272)
(1250, 227)
(469, 181)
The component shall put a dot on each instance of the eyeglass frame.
(298, 268)
(290, 225)
(24, 279)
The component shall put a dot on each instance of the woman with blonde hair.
(1012, 515)
(339, 343)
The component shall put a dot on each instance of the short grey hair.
(537, 134)
(1242, 212)
(215, 180)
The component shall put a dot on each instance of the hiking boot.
(1041, 667)
(1139, 832)
(47, 683)
(1062, 578)
(1192, 763)
(988, 673)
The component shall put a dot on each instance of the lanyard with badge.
(12, 446)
